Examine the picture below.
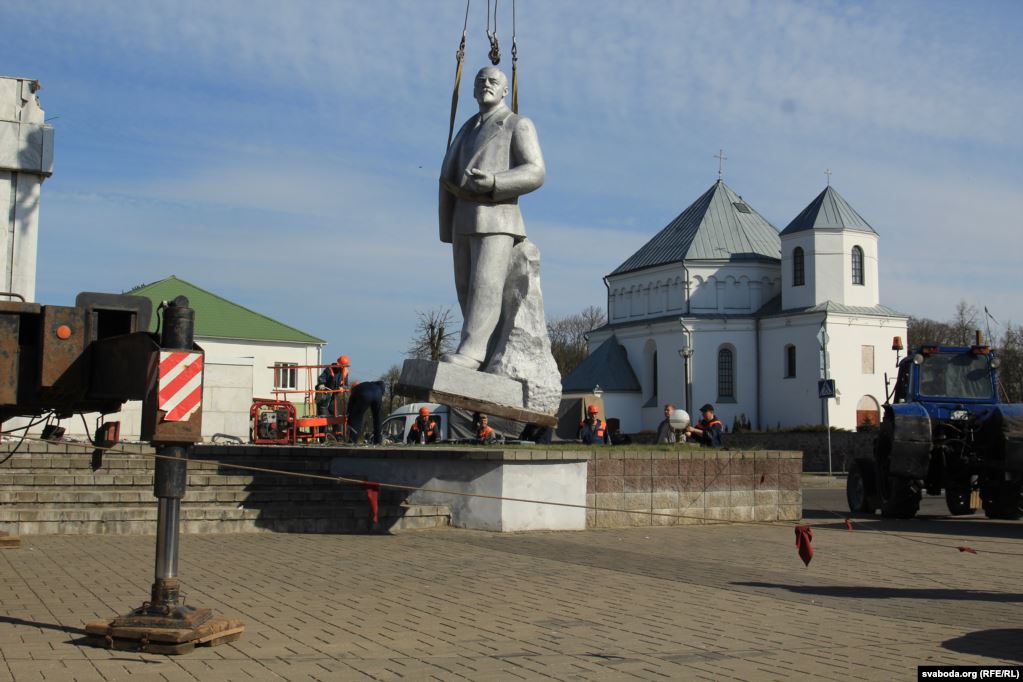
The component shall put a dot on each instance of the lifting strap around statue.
(515, 66)
(460, 57)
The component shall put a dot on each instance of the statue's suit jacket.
(506, 145)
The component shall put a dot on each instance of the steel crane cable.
(495, 47)
(515, 65)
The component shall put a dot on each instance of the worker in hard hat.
(424, 429)
(485, 434)
(333, 378)
(707, 431)
(593, 431)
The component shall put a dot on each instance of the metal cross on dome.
(720, 156)
(827, 171)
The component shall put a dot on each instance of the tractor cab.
(947, 374)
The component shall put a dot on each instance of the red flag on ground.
(803, 537)
(373, 495)
(964, 548)
(848, 524)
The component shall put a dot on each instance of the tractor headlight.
(918, 359)
(995, 362)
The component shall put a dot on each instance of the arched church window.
(650, 373)
(857, 265)
(726, 373)
(798, 274)
(790, 361)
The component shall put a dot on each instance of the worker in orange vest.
(485, 434)
(593, 431)
(708, 431)
(333, 378)
(424, 429)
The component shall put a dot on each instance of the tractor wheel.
(859, 488)
(1003, 499)
(957, 497)
(900, 499)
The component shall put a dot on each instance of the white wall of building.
(709, 337)
(793, 296)
(791, 401)
(848, 335)
(859, 350)
(710, 287)
(827, 257)
(264, 354)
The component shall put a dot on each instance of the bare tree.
(390, 379)
(435, 334)
(963, 324)
(568, 337)
(922, 330)
(1009, 351)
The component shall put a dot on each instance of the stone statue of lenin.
(494, 159)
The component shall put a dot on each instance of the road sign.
(826, 388)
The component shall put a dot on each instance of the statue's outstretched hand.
(480, 181)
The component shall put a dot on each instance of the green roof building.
(248, 355)
(218, 318)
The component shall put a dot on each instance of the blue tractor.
(944, 429)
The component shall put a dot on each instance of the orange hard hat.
(343, 361)
(424, 411)
(593, 409)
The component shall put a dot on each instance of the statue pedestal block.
(448, 384)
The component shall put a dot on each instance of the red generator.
(272, 422)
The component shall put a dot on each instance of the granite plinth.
(449, 384)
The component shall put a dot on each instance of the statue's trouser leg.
(489, 256)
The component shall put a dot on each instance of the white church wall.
(848, 335)
(649, 293)
(866, 294)
(709, 336)
(712, 288)
(828, 261)
(793, 401)
(790, 401)
(793, 296)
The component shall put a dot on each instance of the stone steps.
(57, 493)
(56, 496)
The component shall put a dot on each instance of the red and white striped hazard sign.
(180, 384)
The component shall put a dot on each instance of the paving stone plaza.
(683, 602)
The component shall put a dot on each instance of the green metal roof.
(719, 225)
(773, 308)
(607, 366)
(218, 318)
(828, 210)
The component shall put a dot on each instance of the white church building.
(719, 307)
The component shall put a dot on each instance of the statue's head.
(491, 86)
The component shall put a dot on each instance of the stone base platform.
(51, 488)
(448, 384)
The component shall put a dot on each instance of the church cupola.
(829, 253)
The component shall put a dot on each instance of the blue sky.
(285, 155)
